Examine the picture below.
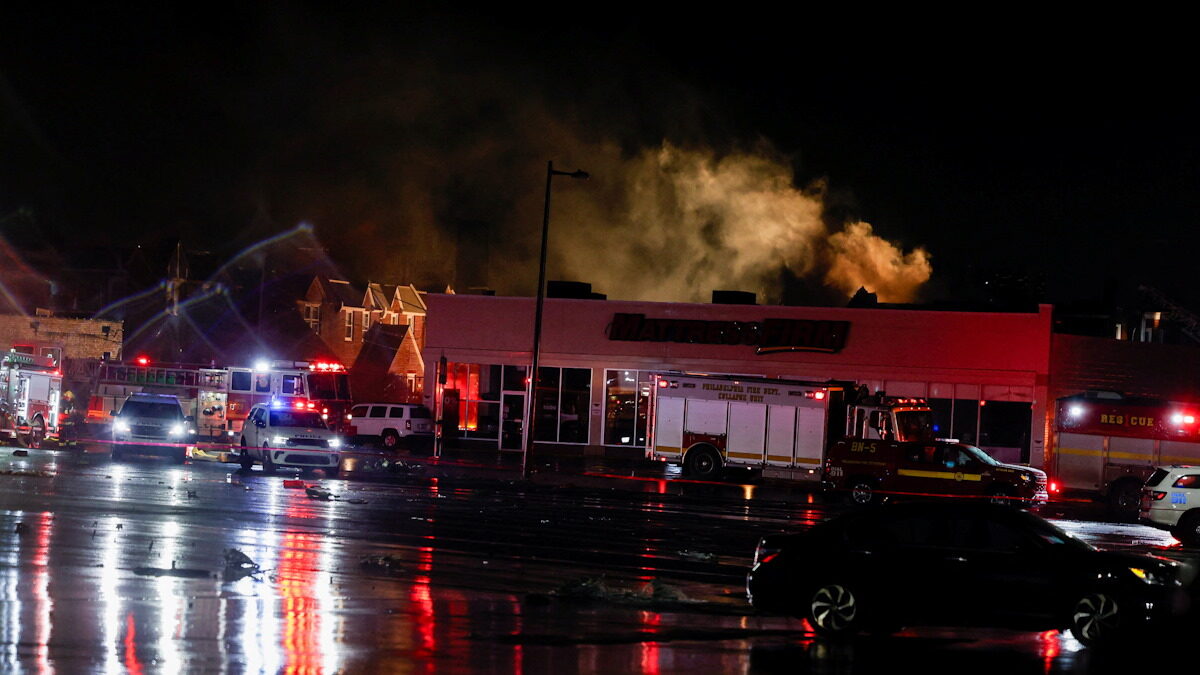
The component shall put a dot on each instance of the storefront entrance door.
(512, 422)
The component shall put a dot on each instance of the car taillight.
(1156, 495)
(1055, 486)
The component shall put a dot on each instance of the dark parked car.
(975, 564)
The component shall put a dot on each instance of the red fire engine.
(30, 391)
(1109, 443)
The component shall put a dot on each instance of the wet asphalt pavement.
(462, 565)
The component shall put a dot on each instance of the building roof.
(341, 291)
(380, 294)
(411, 300)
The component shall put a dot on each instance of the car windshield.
(296, 418)
(980, 455)
(153, 411)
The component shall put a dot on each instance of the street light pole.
(537, 318)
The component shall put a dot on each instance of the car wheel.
(181, 455)
(390, 439)
(246, 461)
(1001, 496)
(1188, 529)
(117, 452)
(862, 491)
(37, 433)
(833, 609)
(703, 462)
(268, 462)
(1096, 617)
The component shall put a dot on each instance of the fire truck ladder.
(1189, 322)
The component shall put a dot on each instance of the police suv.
(1171, 501)
(288, 435)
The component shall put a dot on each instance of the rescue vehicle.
(1109, 443)
(220, 398)
(854, 443)
(30, 396)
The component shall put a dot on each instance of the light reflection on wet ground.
(119, 568)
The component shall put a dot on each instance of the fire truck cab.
(30, 396)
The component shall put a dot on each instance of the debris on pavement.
(699, 556)
(318, 492)
(593, 589)
(382, 564)
(20, 453)
(239, 565)
(181, 572)
(26, 472)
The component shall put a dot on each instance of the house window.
(349, 325)
(366, 321)
(312, 316)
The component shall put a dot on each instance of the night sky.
(1061, 153)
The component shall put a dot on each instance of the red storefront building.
(985, 374)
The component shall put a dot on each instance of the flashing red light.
(1055, 487)
(326, 367)
(310, 405)
(663, 384)
(820, 395)
(143, 360)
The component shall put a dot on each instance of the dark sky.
(1062, 149)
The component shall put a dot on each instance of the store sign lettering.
(769, 335)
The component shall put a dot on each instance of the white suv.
(392, 424)
(1171, 501)
(293, 436)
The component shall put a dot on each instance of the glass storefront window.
(966, 419)
(626, 401)
(563, 397)
(545, 423)
(1006, 424)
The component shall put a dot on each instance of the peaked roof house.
(377, 333)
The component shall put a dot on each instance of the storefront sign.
(769, 335)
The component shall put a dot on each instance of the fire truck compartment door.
(668, 426)
(39, 388)
(810, 436)
(781, 434)
(706, 417)
(1178, 452)
(1080, 461)
(747, 431)
(1131, 451)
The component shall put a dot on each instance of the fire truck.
(856, 444)
(1109, 443)
(220, 398)
(30, 395)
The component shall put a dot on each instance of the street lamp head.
(570, 174)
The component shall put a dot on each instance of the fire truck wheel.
(1188, 529)
(703, 462)
(390, 439)
(246, 460)
(862, 491)
(268, 463)
(1124, 497)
